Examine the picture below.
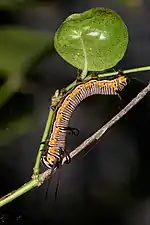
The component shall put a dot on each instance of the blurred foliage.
(14, 128)
(19, 110)
(13, 4)
(19, 49)
(132, 3)
(20, 4)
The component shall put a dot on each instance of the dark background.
(111, 185)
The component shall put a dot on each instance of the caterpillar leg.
(44, 148)
(43, 143)
(94, 75)
(64, 153)
(53, 107)
(68, 158)
(119, 96)
(120, 73)
(63, 92)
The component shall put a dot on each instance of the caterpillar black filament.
(56, 144)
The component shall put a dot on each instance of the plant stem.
(37, 179)
(22, 190)
(98, 134)
(135, 70)
(35, 182)
(42, 145)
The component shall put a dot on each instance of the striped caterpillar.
(56, 145)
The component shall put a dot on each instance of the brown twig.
(37, 181)
(97, 135)
(109, 124)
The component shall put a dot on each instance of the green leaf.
(20, 48)
(96, 38)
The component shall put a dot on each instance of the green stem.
(44, 138)
(70, 86)
(51, 113)
(22, 190)
(37, 179)
(135, 70)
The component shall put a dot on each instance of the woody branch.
(38, 180)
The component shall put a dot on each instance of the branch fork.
(38, 179)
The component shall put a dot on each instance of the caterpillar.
(56, 145)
